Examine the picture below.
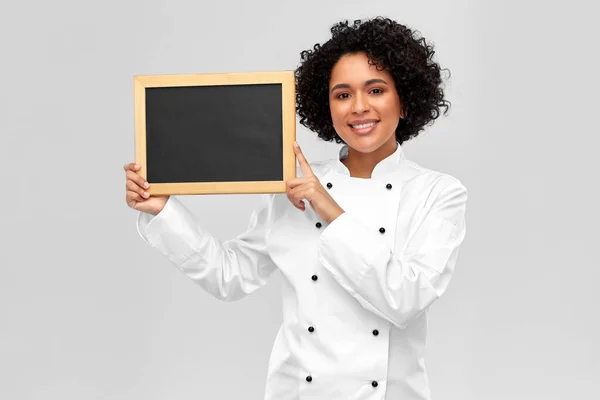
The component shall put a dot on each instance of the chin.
(365, 144)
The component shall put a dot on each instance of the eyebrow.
(367, 83)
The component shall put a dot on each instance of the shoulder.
(418, 178)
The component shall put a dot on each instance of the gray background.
(89, 311)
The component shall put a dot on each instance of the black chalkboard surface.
(215, 133)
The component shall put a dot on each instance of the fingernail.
(146, 194)
(296, 144)
(146, 184)
(137, 165)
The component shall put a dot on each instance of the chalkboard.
(215, 133)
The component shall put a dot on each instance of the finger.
(302, 193)
(306, 193)
(292, 197)
(294, 182)
(131, 166)
(303, 185)
(134, 176)
(295, 202)
(304, 166)
(132, 186)
(299, 207)
(132, 197)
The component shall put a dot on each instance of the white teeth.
(362, 126)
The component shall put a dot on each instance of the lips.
(362, 123)
(363, 127)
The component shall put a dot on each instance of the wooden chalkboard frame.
(287, 81)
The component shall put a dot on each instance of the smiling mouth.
(364, 129)
(364, 126)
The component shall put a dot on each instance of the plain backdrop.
(89, 311)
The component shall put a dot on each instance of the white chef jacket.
(355, 292)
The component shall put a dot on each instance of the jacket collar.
(386, 166)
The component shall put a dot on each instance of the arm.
(229, 270)
(397, 287)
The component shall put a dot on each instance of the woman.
(378, 244)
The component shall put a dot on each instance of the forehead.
(355, 68)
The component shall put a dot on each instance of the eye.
(341, 96)
(377, 91)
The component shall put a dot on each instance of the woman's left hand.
(308, 187)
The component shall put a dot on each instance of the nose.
(360, 104)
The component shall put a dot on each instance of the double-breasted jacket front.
(355, 291)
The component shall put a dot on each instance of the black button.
(382, 230)
(314, 277)
(318, 225)
(311, 329)
(329, 185)
(374, 383)
(389, 186)
(308, 378)
(375, 332)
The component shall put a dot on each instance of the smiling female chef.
(376, 247)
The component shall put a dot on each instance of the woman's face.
(364, 104)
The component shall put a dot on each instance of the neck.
(361, 165)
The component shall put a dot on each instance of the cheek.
(337, 114)
(390, 108)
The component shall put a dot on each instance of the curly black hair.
(388, 45)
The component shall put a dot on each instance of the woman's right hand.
(135, 195)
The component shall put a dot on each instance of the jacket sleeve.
(397, 287)
(229, 270)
